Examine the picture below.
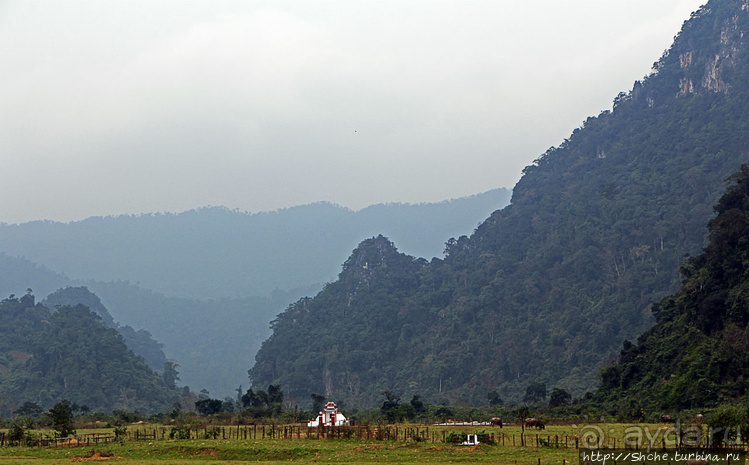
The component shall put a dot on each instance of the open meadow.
(556, 445)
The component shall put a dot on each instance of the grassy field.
(296, 451)
(322, 451)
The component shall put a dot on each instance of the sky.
(140, 106)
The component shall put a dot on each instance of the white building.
(329, 417)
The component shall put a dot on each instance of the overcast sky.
(110, 107)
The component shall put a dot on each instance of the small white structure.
(329, 417)
(471, 440)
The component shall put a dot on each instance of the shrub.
(180, 432)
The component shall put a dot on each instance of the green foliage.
(70, 354)
(443, 413)
(535, 392)
(31, 409)
(275, 394)
(391, 402)
(208, 406)
(16, 433)
(559, 397)
(62, 419)
(286, 451)
(264, 404)
(122, 417)
(723, 423)
(456, 438)
(494, 398)
(697, 354)
(318, 402)
(252, 399)
(180, 432)
(140, 342)
(417, 404)
(170, 375)
(119, 431)
(549, 287)
(394, 411)
(521, 414)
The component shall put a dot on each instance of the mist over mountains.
(206, 283)
(214, 252)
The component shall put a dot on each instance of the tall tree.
(62, 419)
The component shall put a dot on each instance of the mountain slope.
(17, 273)
(217, 253)
(212, 341)
(546, 289)
(140, 342)
(697, 354)
(69, 354)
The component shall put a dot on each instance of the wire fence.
(406, 433)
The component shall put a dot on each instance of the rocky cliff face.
(710, 66)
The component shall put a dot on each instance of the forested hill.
(213, 341)
(214, 252)
(140, 342)
(545, 290)
(697, 354)
(69, 354)
(17, 273)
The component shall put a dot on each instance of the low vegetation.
(555, 445)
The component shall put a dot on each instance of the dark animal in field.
(534, 423)
(665, 419)
(496, 422)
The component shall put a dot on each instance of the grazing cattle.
(534, 423)
(496, 422)
(665, 419)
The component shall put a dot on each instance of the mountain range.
(214, 252)
(544, 291)
(547, 291)
(70, 353)
(206, 283)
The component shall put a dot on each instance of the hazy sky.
(110, 107)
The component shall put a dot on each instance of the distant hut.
(329, 417)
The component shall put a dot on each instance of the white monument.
(329, 417)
